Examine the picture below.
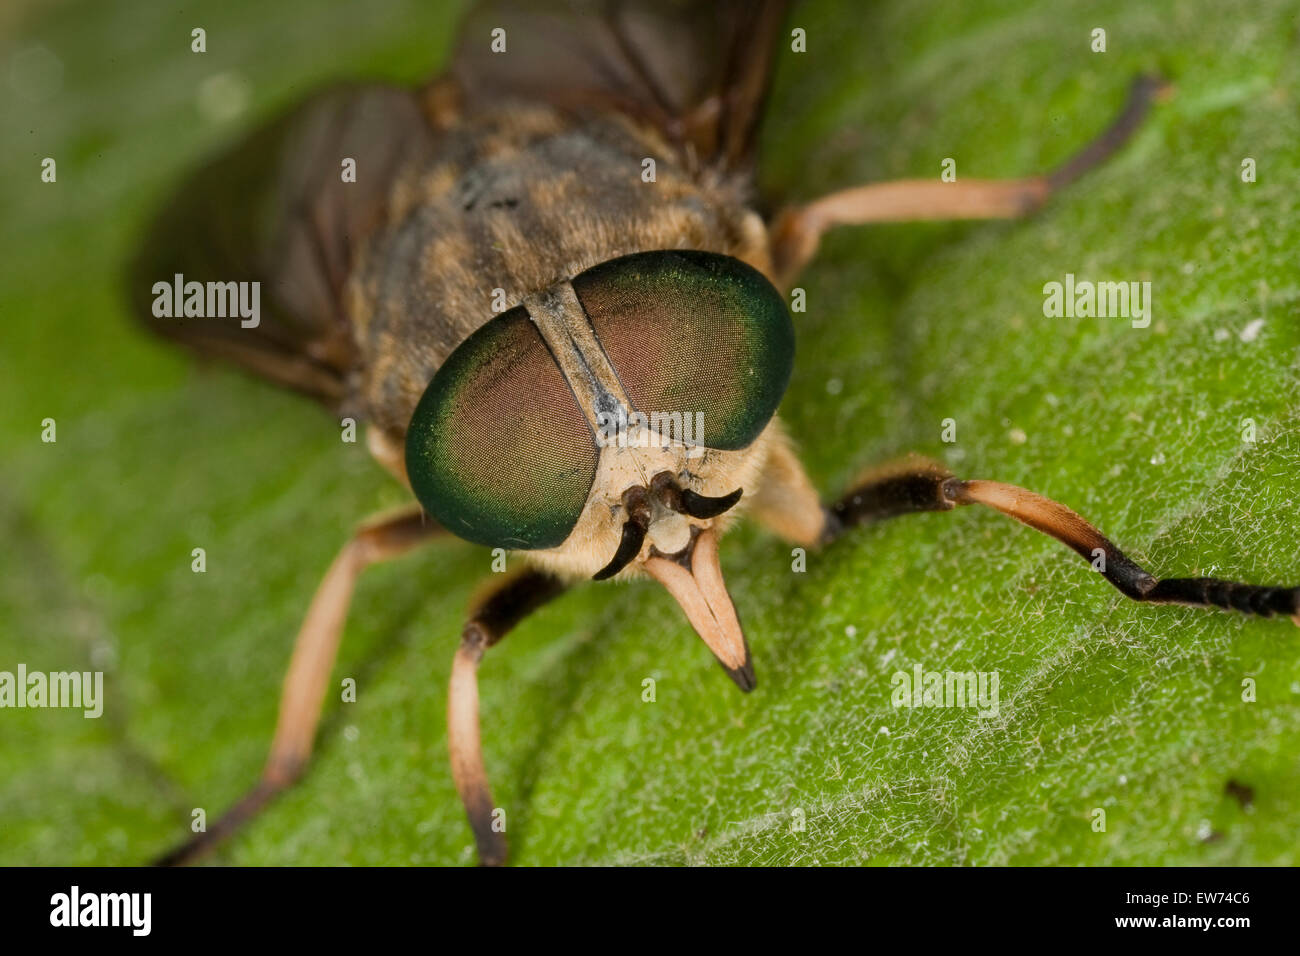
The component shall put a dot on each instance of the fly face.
(609, 423)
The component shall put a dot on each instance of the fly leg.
(919, 485)
(786, 503)
(509, 602)
(314, 653)
(796, 233)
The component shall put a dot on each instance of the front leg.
(796, 233)
(303, 695)
(506, 604)
(918, 484)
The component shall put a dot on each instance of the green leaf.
(1103, 704)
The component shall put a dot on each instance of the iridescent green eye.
(695, 333)
(498, 449)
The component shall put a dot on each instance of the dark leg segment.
(1142, 93)
(918, 485)
(505, 606)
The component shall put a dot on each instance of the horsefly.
(540, 282)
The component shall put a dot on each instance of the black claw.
(628, 548)
(636, 503)
(704, 506)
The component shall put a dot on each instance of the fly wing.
(275, 209)
(696, 69)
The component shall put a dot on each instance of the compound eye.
(498, 449)
(695, 333)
